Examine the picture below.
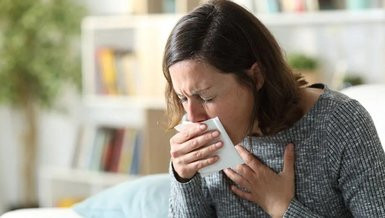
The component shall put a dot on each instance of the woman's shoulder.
(338, 116)
(335, 97)
(338, 104)
(345, 117)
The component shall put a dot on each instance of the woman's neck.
(308, 98)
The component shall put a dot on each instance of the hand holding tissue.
(228, 155)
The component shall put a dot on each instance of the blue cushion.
(144, 197)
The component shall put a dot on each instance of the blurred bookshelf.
(306, 6)
(123, 125)
(334, 32)
(123, 128)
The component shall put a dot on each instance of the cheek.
(236, 116)
(229, 116)
(238, 107)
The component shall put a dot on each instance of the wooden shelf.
(57, 183)
(119, 110)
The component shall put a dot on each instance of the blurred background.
(81, 86)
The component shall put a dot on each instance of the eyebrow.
(195, 92)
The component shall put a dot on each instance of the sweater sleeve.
(298, 210)
(358, 160)
(188, 199)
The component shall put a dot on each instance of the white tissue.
(228, 155)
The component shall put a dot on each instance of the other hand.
(271, 191)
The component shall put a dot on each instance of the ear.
(255, 73)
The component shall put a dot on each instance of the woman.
(221, 61)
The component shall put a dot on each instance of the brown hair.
(230, 38)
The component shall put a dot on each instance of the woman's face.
(205, 92)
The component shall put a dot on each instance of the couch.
(146, 197)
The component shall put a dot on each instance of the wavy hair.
(228, 37)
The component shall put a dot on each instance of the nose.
(195, 111)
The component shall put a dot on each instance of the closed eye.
(182, 99)
(207, 100)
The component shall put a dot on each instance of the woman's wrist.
(282, 214)
(177, 177)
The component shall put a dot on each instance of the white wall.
(56, 140)
(10, 144)
(58, 130)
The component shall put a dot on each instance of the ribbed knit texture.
(339, 168)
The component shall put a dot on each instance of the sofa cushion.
(144, 197)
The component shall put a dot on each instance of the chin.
(236, 140)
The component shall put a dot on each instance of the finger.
(202, 153)
(200, 141)
(245, 171)
(190, 131)
(249, 158)
(289, 160)
(235, 177)
(194, 144)
(241, 193)
(197, 165)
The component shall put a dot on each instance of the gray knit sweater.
(339, 168)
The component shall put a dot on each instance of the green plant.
(37, 57)
(352, 80)
(302, 62)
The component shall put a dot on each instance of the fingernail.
(238, 147)
(215, 134)
(202, 126)
(219, 144)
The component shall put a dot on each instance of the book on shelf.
(364, 4)
(301, 5)
(298, 6)
(110, 149)
(266, 6)
(136, 154)
(330, 4)
(128, 76)
(107, 68)
(169, 6)
(115, 152)
(99, 148)
(126, 155)
(146, 6)
(185, 6)
(275, 6)
(311, 5)
(293, 5)
(84, 147)
(164, 6)
(117, 72)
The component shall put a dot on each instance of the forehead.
(190, 75)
